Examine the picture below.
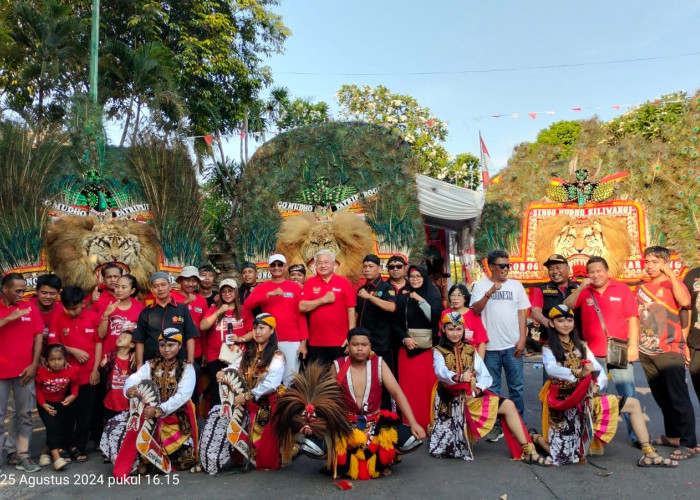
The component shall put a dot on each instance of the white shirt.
(483, 377)
(271, 380)
(554, 369)
(500, 316)
(185, 387)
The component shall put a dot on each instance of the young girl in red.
(117, 367)
(52, 383)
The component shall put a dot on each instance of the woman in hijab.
(418, 315)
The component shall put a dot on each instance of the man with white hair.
(329, 300)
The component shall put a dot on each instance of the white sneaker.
(60, 463)
(44, 460)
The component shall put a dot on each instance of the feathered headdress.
(314, 400)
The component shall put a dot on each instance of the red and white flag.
(485, 163)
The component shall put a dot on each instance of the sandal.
(530, 456)
(656, 461)
(662, 440)
(681, 453)
(65, 454)
(13, 459)
(195, 469)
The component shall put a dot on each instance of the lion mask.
(347, 235)
(77, 246)
(602, 236)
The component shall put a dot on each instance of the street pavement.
(492, 475)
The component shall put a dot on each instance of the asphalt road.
(491, 475)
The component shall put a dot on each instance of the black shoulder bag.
(616, 354)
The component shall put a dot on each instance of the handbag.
(616, 353)
(228, 354)
(423, 337)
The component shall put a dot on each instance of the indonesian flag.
(485, 163)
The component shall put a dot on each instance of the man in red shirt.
(110, 275)
(618, 307)
(48, 287)
(662, 350)
(21, 339)
(76, 328)
(280, 297)
(189, 280)
(329, 300)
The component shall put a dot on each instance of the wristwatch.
(159, 412)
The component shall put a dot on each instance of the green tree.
(463, 170)
(561, 135)
(652, 120)
(422, 130)
(218, 49)
(134, 79)
(42, 61)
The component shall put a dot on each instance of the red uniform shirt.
(17, 339)
(617, 304)
(472, 321)
(659, 321)
(79, 333)
(115, 399)
(116, 322)
(291, 324)
(198, 307)
(52, 386)
(217, 333)
(47, 317)
(328, 324)
(106, 298)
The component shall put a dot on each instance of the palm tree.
(140, 78)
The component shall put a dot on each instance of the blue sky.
(398, 38)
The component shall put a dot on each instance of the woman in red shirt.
(52, 383)
(121, 315)
(474, 330)
(225, 323)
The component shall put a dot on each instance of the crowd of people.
(134, 375)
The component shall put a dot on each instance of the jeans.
(25, 401)
(505, 360)
(624, 385)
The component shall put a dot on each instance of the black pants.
(81, 416)
(214, 367)
(56, 425)
(325, 355)
(666, 376)
(695, 370)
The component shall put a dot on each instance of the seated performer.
(237, 430)
(161, 424)
(371, 448)
(463, 410)
(571, 399)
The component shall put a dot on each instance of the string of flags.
(208, 139)
(533, 114)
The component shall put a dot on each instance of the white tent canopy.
(448, 206)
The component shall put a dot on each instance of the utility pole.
(94, 50)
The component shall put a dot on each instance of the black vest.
(553, 296)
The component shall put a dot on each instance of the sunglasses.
(398, 266)
(502, 266)
(277, 264)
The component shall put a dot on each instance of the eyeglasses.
(397, 266)
(502, 266)
(277, 264)
(418, 277)
(457, 296)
